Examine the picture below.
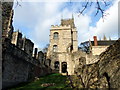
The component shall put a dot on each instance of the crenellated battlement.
(60, 27)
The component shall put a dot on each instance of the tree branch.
(18, 4)
(99, 7)
(81, 12)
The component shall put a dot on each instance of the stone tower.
(7, 15)
(63, 42)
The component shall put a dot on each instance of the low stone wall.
(103, 74)
(19, 67)
(110, 65)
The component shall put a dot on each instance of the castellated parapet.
(22, 43)
(64, 27)
(18, 65)
(17, 39)
(28, 46)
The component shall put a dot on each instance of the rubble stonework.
(7, 15)
(17, 39)
(28, 46)
(109, 65)
(103, 74)
(63, 55)
(18, 65)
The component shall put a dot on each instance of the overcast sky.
(34, 20)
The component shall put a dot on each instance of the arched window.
(54, 48)
(55, 35)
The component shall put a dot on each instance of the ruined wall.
(90, 58)
(19, 67)
(103, 74)
(86, 76)
(7, 15)
(17, 39)
(41, 56)
(28, 46)
(109, 65)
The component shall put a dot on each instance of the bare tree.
(99, 5)
(17, 3)
(85, 47)
(45, 49)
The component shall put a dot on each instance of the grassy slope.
(58, 79)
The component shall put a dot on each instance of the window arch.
(55, 48)
(56, 35)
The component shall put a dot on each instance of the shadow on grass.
(56, 80)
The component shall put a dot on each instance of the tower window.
(55, 35)
(54, 48)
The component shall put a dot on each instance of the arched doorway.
(64, 67)
(56, 65)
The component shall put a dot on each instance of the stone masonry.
(18, 65)
(105, 73)
(63, 52)
(63, 42)
(7, 15)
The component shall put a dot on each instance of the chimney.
(95, 41)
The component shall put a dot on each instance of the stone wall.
(109, 65)
(97, 50)
(63, 42)
(28, 46)
(90, 58)
(7, 15)
(19, 67)
(103, 74)
(17, 39)
(86, 76)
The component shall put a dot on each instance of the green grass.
(59, 80)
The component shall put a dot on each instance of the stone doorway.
(64, 67)
(56, 65)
